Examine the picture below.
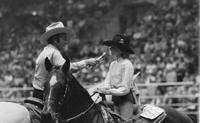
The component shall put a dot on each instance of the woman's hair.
(124, 55)
(53, 38)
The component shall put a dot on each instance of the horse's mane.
(78, 89)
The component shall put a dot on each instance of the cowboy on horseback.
(56, 38)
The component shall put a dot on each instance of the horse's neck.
(78, 101)
(79, 92)
(90, 115)
(81, 110)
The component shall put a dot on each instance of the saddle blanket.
(151, 112)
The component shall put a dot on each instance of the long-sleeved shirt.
(119, 79)
(41, 75)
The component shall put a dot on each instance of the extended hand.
(98, 90)
(91, 62)
(94, 61)
(102, 90)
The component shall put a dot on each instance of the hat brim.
(122, 47)
(44, 37)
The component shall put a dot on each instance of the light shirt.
(41, 75)
(119, 79)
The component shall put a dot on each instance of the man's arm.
(76, 66)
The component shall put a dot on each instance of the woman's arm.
(126, 83)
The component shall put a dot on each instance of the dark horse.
(68, 101)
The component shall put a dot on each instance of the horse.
(69, 102)
(30, 111)
(13, 113)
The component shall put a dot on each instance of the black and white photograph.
(99, 61)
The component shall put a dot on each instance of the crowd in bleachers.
(168, 36)
(20, 47)
(169, 39)
(165, 42)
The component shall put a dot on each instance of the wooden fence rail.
(19, 100)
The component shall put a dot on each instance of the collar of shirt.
(119, 59)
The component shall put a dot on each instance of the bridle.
(65, 93)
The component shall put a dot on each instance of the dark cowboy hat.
(53, 29)
(120, 41)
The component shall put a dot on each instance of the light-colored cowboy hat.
(53, 29)
(120, 41)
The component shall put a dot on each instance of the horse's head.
(57, 86)
(66, 96)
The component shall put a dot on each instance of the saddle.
(34, 106)
(111, 117)
(146, 114)
(34, 101)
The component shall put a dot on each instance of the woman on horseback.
(119, 81)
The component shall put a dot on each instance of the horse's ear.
(66, 65)
(48, 64)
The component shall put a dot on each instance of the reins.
(82, 113)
